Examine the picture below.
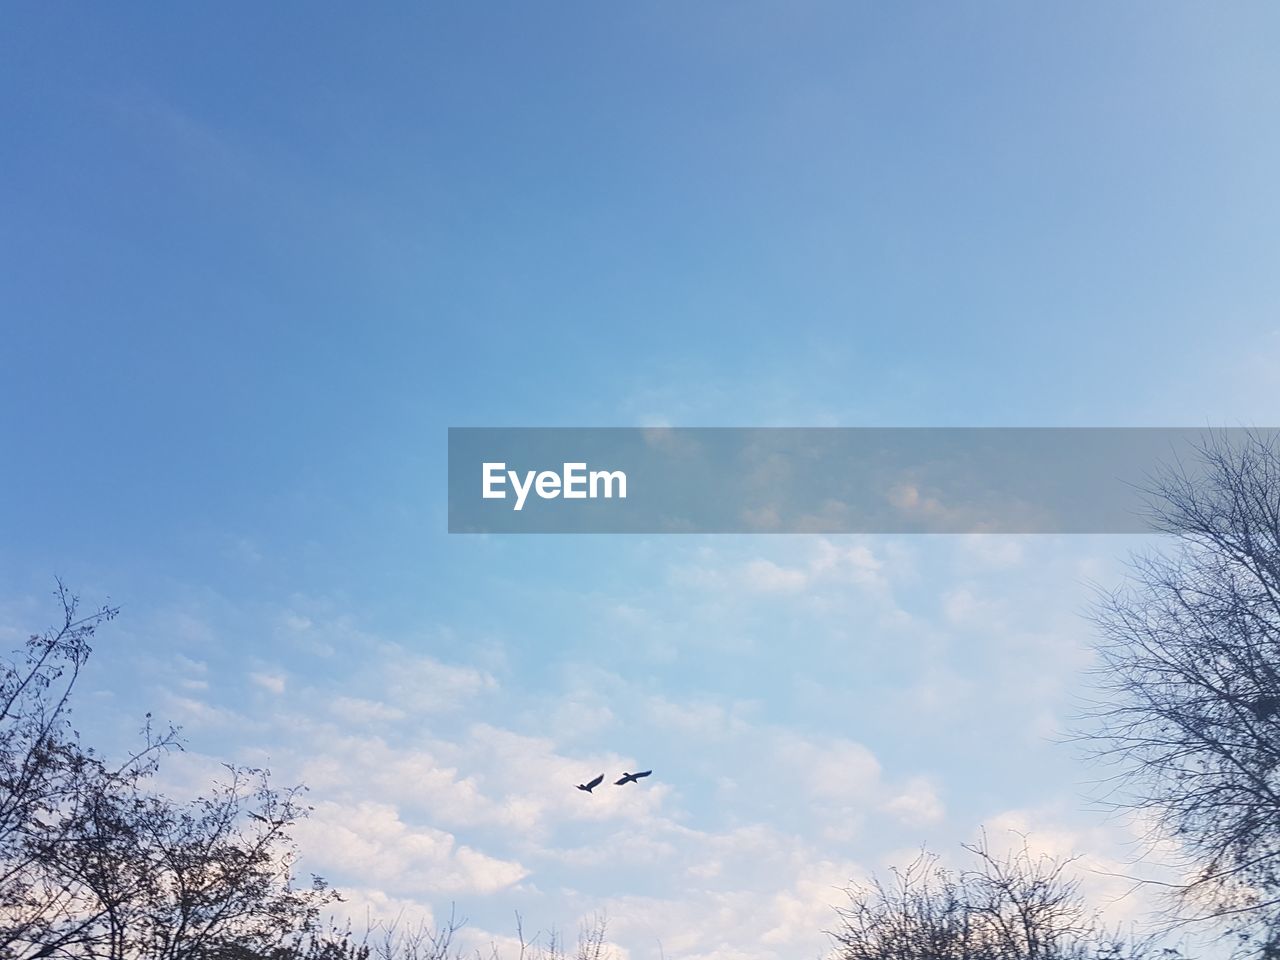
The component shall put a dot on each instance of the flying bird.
(631, 778)
(592, 784)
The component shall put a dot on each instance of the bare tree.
(96, 866)
(593, 939)
(1190, 658)
(593, 942)
(93, 864)
(394, 940)
(44, 774)
(1013, 907)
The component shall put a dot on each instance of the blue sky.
(257, 261)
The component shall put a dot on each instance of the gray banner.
(813, 480)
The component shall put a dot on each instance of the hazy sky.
(256, 261)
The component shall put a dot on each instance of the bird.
(631, 777)
(591, 785)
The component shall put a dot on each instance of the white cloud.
(907, 498)
(991, 551)
(360, 712)
(770, 577)
(918, 803)
(424, 684)
(826, 563)
(274, 682)
(783, 917)
(193, 712)
(371, 841)
(961, 606)
(704, 720)
(832, 769)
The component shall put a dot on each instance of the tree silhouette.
(1190, 657)
(1014, 907)
(94, 864)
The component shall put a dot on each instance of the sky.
(258, 260)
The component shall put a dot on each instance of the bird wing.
(626, 778)
(637, 776)
(596, 782)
